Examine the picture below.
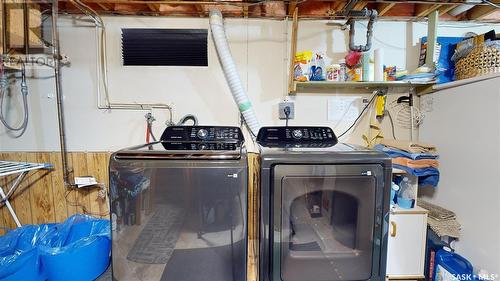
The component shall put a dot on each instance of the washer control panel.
(203, 134)
(200, 146)
(296, 136)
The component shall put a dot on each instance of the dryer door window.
(326, 227)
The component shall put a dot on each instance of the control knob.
(297, 134)
(202, 134)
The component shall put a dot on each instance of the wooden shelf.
(419, 87)
(396, 171)
(415, 210)
(458, 83)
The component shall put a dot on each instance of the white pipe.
(231, 72)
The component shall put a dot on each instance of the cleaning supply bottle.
(450, 266)
(406, 194)
(343, 70)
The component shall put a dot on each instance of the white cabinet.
(406, 245)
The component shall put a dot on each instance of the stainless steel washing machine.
(324, 207)
(179, 207)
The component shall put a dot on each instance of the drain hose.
(230, 71)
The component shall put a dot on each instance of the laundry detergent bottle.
(450, 266)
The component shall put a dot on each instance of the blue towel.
(394, 152)
(426, 176)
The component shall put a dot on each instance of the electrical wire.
(359, 116)
(286, 110)
(388, 113)
(77, 204)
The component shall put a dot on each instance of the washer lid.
(182, 150)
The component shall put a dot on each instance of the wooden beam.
(383, 8)
(479, 12)
(423, 10)
(245, 11)
(291, 7)
(103, 6)
(153, 7)
(293, 49)
(360, 5)
(338, 5)
(201, 11)
(446, 8)
(431, 38)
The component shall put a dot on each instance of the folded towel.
(416, 164)
(394, 153)
(426, 176)
(410, 147)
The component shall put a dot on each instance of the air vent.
(174, 47)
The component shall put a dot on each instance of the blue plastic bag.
(80, 250)
(19, 258)
(77, 249)
(445, 67)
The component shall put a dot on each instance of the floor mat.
(157, 240)
(311, 246)
(207, 264)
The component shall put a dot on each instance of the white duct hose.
(230, 71)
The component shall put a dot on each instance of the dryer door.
(327, 222)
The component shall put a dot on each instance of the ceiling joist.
(383, 8)
(275, 9)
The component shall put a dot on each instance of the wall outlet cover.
(281, 110)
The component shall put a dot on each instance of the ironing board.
(21, 169)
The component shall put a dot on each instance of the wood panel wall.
(42, 196)
(253, 215)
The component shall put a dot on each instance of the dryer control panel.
(296, 136)
(199, 134)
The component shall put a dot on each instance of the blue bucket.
(84, 254)
(77, 249)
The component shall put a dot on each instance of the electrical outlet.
(282, 107)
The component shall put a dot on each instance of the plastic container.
(451, 267)
(80, 256)
(343, 70)
(333, 72)
(78, 249)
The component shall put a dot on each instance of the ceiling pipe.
(372, 17)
